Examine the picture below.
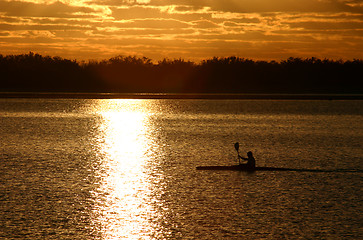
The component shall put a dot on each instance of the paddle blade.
(236, 146)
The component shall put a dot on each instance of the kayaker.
(251, 162)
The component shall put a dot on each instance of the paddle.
(236, 146)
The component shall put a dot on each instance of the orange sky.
(190, 29)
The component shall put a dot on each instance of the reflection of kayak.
(231, 167)
(246, 169)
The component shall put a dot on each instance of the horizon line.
(184, 60)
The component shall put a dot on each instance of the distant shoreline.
(68, 95)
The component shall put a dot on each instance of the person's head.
(249, 154)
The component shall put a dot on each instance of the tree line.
(129, 74)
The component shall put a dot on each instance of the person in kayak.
(251, 162)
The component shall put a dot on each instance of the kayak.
(248, 169)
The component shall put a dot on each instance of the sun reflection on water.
(123, 209)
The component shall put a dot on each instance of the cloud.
(259, 6)
(124, 13)
(56, 9)
(4, 33)
(205, 24)
(151, 23)
(326, 26)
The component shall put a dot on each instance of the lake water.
(125, 169)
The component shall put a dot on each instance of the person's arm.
(242, 157)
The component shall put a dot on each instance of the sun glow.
(123, 199)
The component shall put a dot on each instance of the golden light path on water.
(124, 208)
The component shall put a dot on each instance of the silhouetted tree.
(33, 72)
